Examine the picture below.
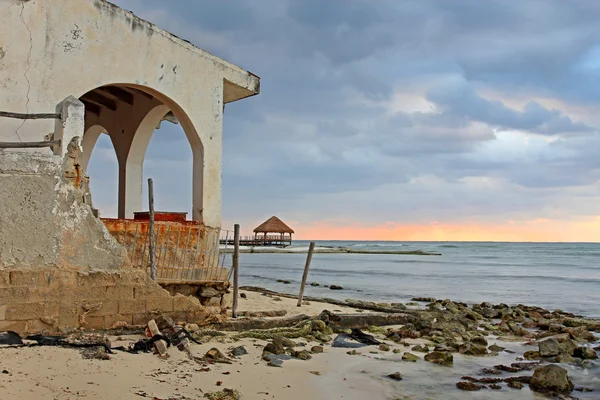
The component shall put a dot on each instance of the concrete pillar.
(131, 168)
(209, 123)
(71, 124)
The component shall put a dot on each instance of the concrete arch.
(139, 146)
(90, 137)
(132, 121)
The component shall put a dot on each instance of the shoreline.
(324, 250)
(331, 374)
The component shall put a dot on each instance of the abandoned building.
(70, 71)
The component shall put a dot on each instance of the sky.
(394, 120)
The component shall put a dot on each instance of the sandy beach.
(62, 373)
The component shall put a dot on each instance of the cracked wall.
(60, 269)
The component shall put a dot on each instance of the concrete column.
(208, 151)
(71, 124)
(131, 167)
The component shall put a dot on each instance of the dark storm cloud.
(324, 124)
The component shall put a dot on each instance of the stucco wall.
(50, 49)
(43, 221)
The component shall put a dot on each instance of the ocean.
(562, 276)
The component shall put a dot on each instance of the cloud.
(401, 112)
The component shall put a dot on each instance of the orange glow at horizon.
(512, 231)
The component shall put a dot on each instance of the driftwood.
(247, 323)
(7, 114)
(365, 320)
(360, 305)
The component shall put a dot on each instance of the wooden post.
(236, 267)
(311, 248)
(151, 228)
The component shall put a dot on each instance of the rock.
(583, 389)
(567, 346)
(377, 330)
(410, 357)
(395, 376)
(283, 342)
(441, 347)
(515, 385)
(532, 355)
(423, 299)
(581, 333)
(422, 348)
(239, 351)
(441, 358)
(284, 281)
(470, 386)
(489, 313)
(275, 363)
(480, 340)
(495, 348)
(495, 386)
(384, 347)
(317, 349)
(551, 378)
(585, 353)
(208, 292)
(274, 349)
(564, 358)
(549, 347)
(472, 349)
(408, 331)
(335, 287)
(215, 354)
(490, 371)
(315, 284)
(225, 394)
(353, 353)
(302, 355)
(396, 351)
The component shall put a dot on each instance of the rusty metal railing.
(186, 252)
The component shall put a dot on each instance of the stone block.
(118, 320)
(197, 316)
(227, 300)
(51, 309)
(68, 315)
(150, 289)
(107, 307)
(3, 312)
(4, 278)
(142, 319)
(132, 306)
(16, 326)
(98, 279)
(159, 304)
(36, 325)
(93, 322)
(183, 303)
(43, 293)
(65, 279)
(119, 292)
(28, 277)
(24, 311)
(91, 292)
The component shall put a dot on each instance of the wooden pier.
(253, 241)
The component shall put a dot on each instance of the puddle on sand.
(366, 377)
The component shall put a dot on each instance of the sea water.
(562, 276)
